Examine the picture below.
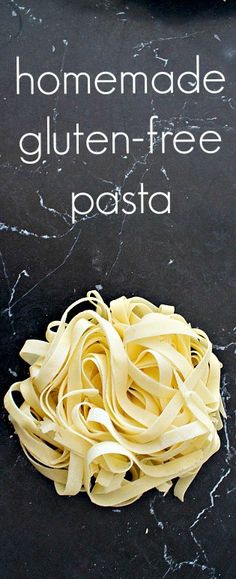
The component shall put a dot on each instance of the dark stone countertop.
(186, 258)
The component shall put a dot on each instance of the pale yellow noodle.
(119, 401)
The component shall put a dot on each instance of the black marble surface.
(185, 258)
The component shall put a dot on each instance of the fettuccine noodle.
(119, 400)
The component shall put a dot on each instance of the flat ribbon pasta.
(119, 400)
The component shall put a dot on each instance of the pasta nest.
(119, 400)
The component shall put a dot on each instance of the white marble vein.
(46, 276)
(11, 290)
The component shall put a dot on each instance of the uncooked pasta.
(120, 399)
